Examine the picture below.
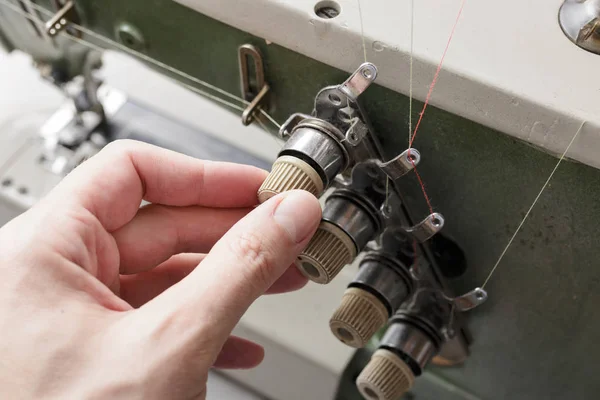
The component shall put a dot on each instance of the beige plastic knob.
(386, 377)
(359, 316)
(290, 173)
(327, 253)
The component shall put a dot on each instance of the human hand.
(97, 299)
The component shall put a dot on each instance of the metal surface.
(359, 81)
(411, 341)
(253, 108)
(427, 228)
(130, 36)
(71, 136)
(254, 88)
(402, 164)
(250, 85)
(470, 300)
(59, 21)
(345, 212)
(428, 309)
(580, 21)
(391, 282)
(318, 149)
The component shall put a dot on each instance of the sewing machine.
(413, 225)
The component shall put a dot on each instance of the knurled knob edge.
(290, 173)
(386, 377)
(327, 253)
(359, 316)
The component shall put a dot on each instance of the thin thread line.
(262, 124)
(422, 187)
(270, 118)
(362, 30)
(416, 254)
(562, 157)
(410, 93)
(146, 58)
(437, 72)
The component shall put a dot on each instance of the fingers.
(113, 183)
(290, 281)
(239, 268)
(239, 353)
(140, 288)
(157, 232)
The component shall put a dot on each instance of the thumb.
(242, 265)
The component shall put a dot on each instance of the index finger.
(112, 184)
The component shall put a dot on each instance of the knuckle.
(256, 257)
(120, 148)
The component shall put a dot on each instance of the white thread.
(277, 140)
(362, 30)
(532, 206)
(410, 79)
(210, 96)
(270, 118)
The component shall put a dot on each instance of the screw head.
(129, 36)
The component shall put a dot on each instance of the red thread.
(423, 189)
(427, 99)
(437, 73)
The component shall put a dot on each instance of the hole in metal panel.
(328, 9)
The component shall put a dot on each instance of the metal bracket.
(249, 113)
(427, 228)
(470, 300)
(401, 165)
(580, 21)
(253, 90)
(357, 132)
(288, 126)
(60, 20)
(359, 81)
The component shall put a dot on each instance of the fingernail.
(298, 214)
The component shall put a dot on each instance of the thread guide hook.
(427, 228)
(401, 164)
(253, 90)
(360, 80)
(470, 300)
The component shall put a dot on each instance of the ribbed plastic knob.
(329, 250)
(359, 316)
(386, 377)
(289, 173)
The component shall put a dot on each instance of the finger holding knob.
(309, 160)
(329, 250)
